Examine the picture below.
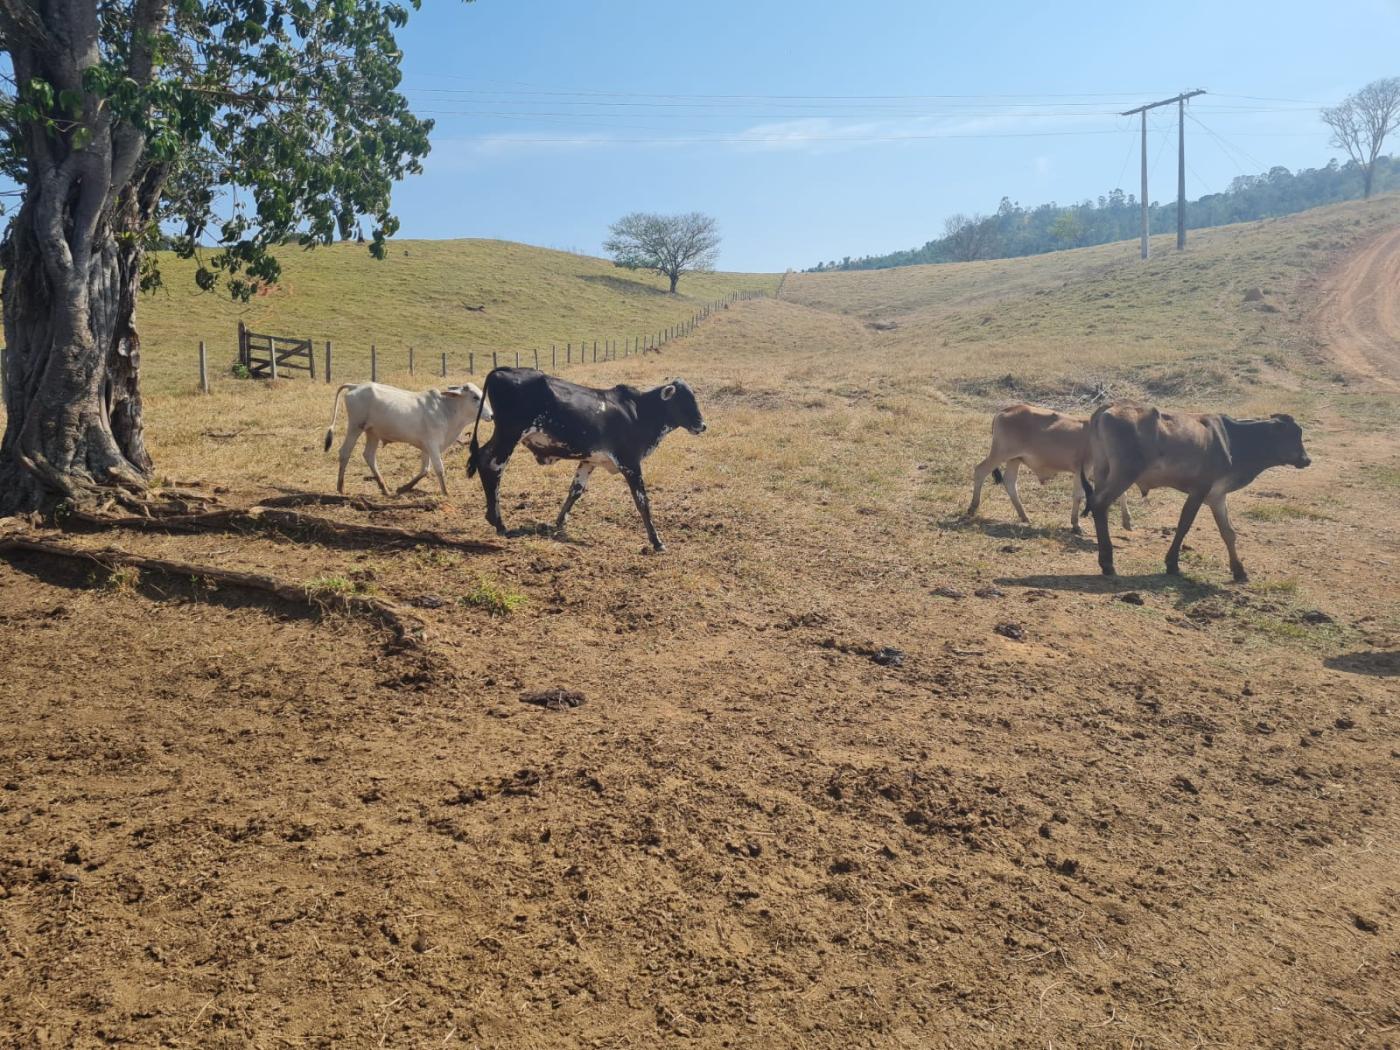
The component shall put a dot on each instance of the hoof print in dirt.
(1315, 617)
(888, 656)
(744, 849)
(1365, 925)
(843, 866)
(989, 592)
(1068, 866)
(1131, 598)
(1185, 784)
(1014, 631)
(428, 601)
(555, 699)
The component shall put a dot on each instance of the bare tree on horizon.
(1362, 121)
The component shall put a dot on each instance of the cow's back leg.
(1008, 481)
(352, 435)
(577, 489)
(407, 486)
(1076, 499)
(1124, 512)
(1183, 526)
(639, 497)
(1227, 533)
(979, 475)
(491, 463)
(371, 454)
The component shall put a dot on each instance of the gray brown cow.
(1047, 442)
(1205, 456)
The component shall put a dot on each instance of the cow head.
(681, 407)
(1288, 441)
(473, 394)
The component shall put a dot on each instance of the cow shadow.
(1374, 662)
(1016, 530)
(543, 530)
(1185, 591)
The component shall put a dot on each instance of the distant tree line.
(1014, 230)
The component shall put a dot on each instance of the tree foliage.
(1362, 122)
(247, 124)
(667, 244)
(1116, 216)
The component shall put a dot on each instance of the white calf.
(429, 421)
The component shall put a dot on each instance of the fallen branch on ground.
(407, 630)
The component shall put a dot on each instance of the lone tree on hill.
(1363, 120)
(126, 126)
(969, 237)
(669, 244)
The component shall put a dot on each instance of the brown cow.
(1207, 457)
(1048, 442)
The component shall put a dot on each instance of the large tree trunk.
(73, 428)
(674, 278)
(1367, 173)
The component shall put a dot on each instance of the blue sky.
(820, 129)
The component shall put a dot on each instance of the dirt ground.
(1145, 812)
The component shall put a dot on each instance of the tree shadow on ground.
(74, 575)
(626, 286)
(1375, 662)
(1184, 590)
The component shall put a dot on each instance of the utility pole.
(1180, 101)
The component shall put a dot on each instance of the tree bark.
(73, 428)
(675, 277)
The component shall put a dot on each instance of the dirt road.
(1359, 312)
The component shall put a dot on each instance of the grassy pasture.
(418, 296)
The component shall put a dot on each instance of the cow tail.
(996, 475)
(1088, 489)
(335, 411)
(474, 449)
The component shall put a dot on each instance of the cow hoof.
(1241, 576)
(1173, 569)
(1075, 530)
(660, 548)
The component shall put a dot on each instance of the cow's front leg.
(639, 496)
(577, 489)
(1183, 526)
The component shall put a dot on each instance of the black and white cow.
(614, 429)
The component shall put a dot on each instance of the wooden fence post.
(568, 353)
(553, 360)
(517, 359)
(203, 369)
(444, 366)
(373, 364)
(243, 346)
(272, 356)
(328, 360)
(410, 360)
(537, 358)
(494, 365)
(311, 358)
(595, 351)
(471, 363)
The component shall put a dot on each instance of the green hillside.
(418, 297)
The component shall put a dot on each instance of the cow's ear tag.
(668, 392)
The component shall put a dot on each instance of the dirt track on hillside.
(1358, 316)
